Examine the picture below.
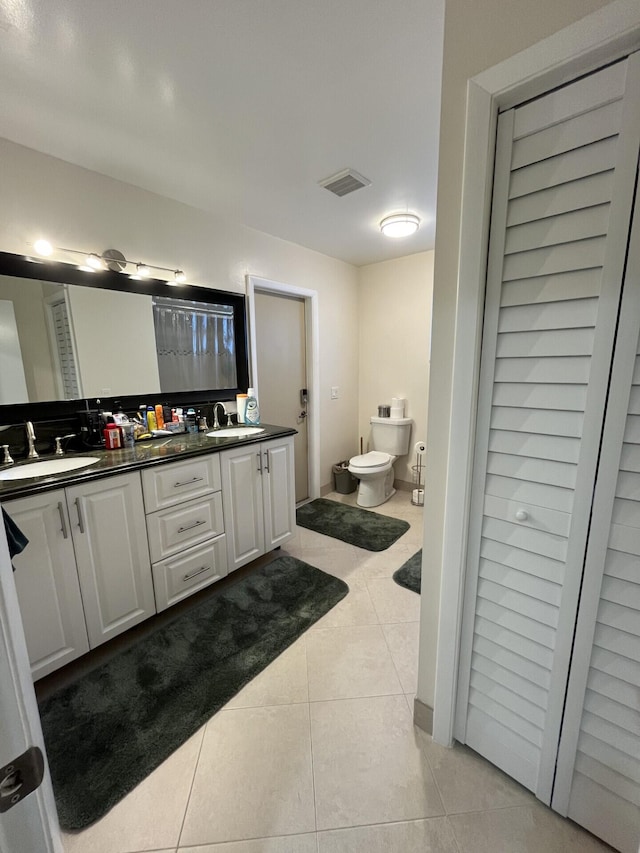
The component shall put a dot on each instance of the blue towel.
(16, 539)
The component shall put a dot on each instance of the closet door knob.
(522, 515)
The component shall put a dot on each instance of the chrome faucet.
(31, 438)
(216, 422)
(59, 439)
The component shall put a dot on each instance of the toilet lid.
(370, 460)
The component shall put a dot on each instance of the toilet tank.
(391, 435)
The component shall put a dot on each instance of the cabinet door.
(47, 583)
(243, 504)
(278, 491)
(110, 540)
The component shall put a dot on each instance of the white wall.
(43, 196)
(476, 37)
(395, 329)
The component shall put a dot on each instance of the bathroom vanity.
(141, 529)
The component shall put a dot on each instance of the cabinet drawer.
(172, 530)
(178, 577)
(167, 485)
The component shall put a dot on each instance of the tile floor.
(319, 754)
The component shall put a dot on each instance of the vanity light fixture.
(110, 259)
(400, 225)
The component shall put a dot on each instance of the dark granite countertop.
(155, 451)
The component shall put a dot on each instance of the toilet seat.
(371, 463)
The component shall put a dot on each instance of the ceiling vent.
(344, 182)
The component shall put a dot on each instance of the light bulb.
(400, 225)
(143, 270)
(179, 276)
(95, 261)
(43, 247)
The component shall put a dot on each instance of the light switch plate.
(334, 392)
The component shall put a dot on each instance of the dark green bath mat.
(360, 527)
(108, 730)
(409, 574)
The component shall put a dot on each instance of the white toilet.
(390, 439)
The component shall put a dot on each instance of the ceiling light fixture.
(400, 225)
(110, 259)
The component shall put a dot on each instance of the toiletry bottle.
(190, 420)
(151, 418)
(142, 414)
(159, 417)
(241, 404)
(112, 437)
(251, 412)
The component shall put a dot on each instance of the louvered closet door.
(563, 190)
(598, 779)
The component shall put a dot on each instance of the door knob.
(522, 515)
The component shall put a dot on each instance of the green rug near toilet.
(361, 527)
(108, 730)
(409, 574)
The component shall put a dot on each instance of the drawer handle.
(197, 572)
(266, 462)
(191, 526)
(259, 456)
(188, 482)
(522, 515)
(63, 523)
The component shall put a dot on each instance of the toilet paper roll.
(420, 447)
(397, 412)
(418, 497)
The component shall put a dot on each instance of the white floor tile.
(417, 836)
(356, 608)
(349, 662)
(150, 817)
(402, 639)
(393, 603)
(253, 779)
(525, 829)
(283, 844)
(368, 765)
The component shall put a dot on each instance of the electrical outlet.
(334, 392)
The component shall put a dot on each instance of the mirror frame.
(39, 269)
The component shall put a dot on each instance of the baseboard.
(423, 716)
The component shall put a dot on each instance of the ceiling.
(240, 107)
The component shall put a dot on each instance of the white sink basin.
(235, 432)
(47, 467)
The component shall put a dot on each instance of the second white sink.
(235, 432)
(48, 467)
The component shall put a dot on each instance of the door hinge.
(20, 777)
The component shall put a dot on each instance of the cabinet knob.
(522, 515)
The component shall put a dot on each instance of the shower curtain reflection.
(195, 344)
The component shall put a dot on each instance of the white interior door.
(598, 779)
(281, 347)
(32, 823)
(563, 190)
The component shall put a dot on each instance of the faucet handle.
(7, 456)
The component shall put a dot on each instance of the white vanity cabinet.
(185, 527)
(112, 553)
(85, 575)
(258, 494)
(47, 583)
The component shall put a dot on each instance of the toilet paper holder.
(417, 494)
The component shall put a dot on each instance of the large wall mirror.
(67, 335)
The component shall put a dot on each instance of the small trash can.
(346, 483)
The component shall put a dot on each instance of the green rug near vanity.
(361, 527)
(107, 731)
(409, 574)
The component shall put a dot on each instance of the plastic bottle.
(151, 418)
(190, 421)
(251, 412)
(159, 416)
(142, 414)
(241, 401)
